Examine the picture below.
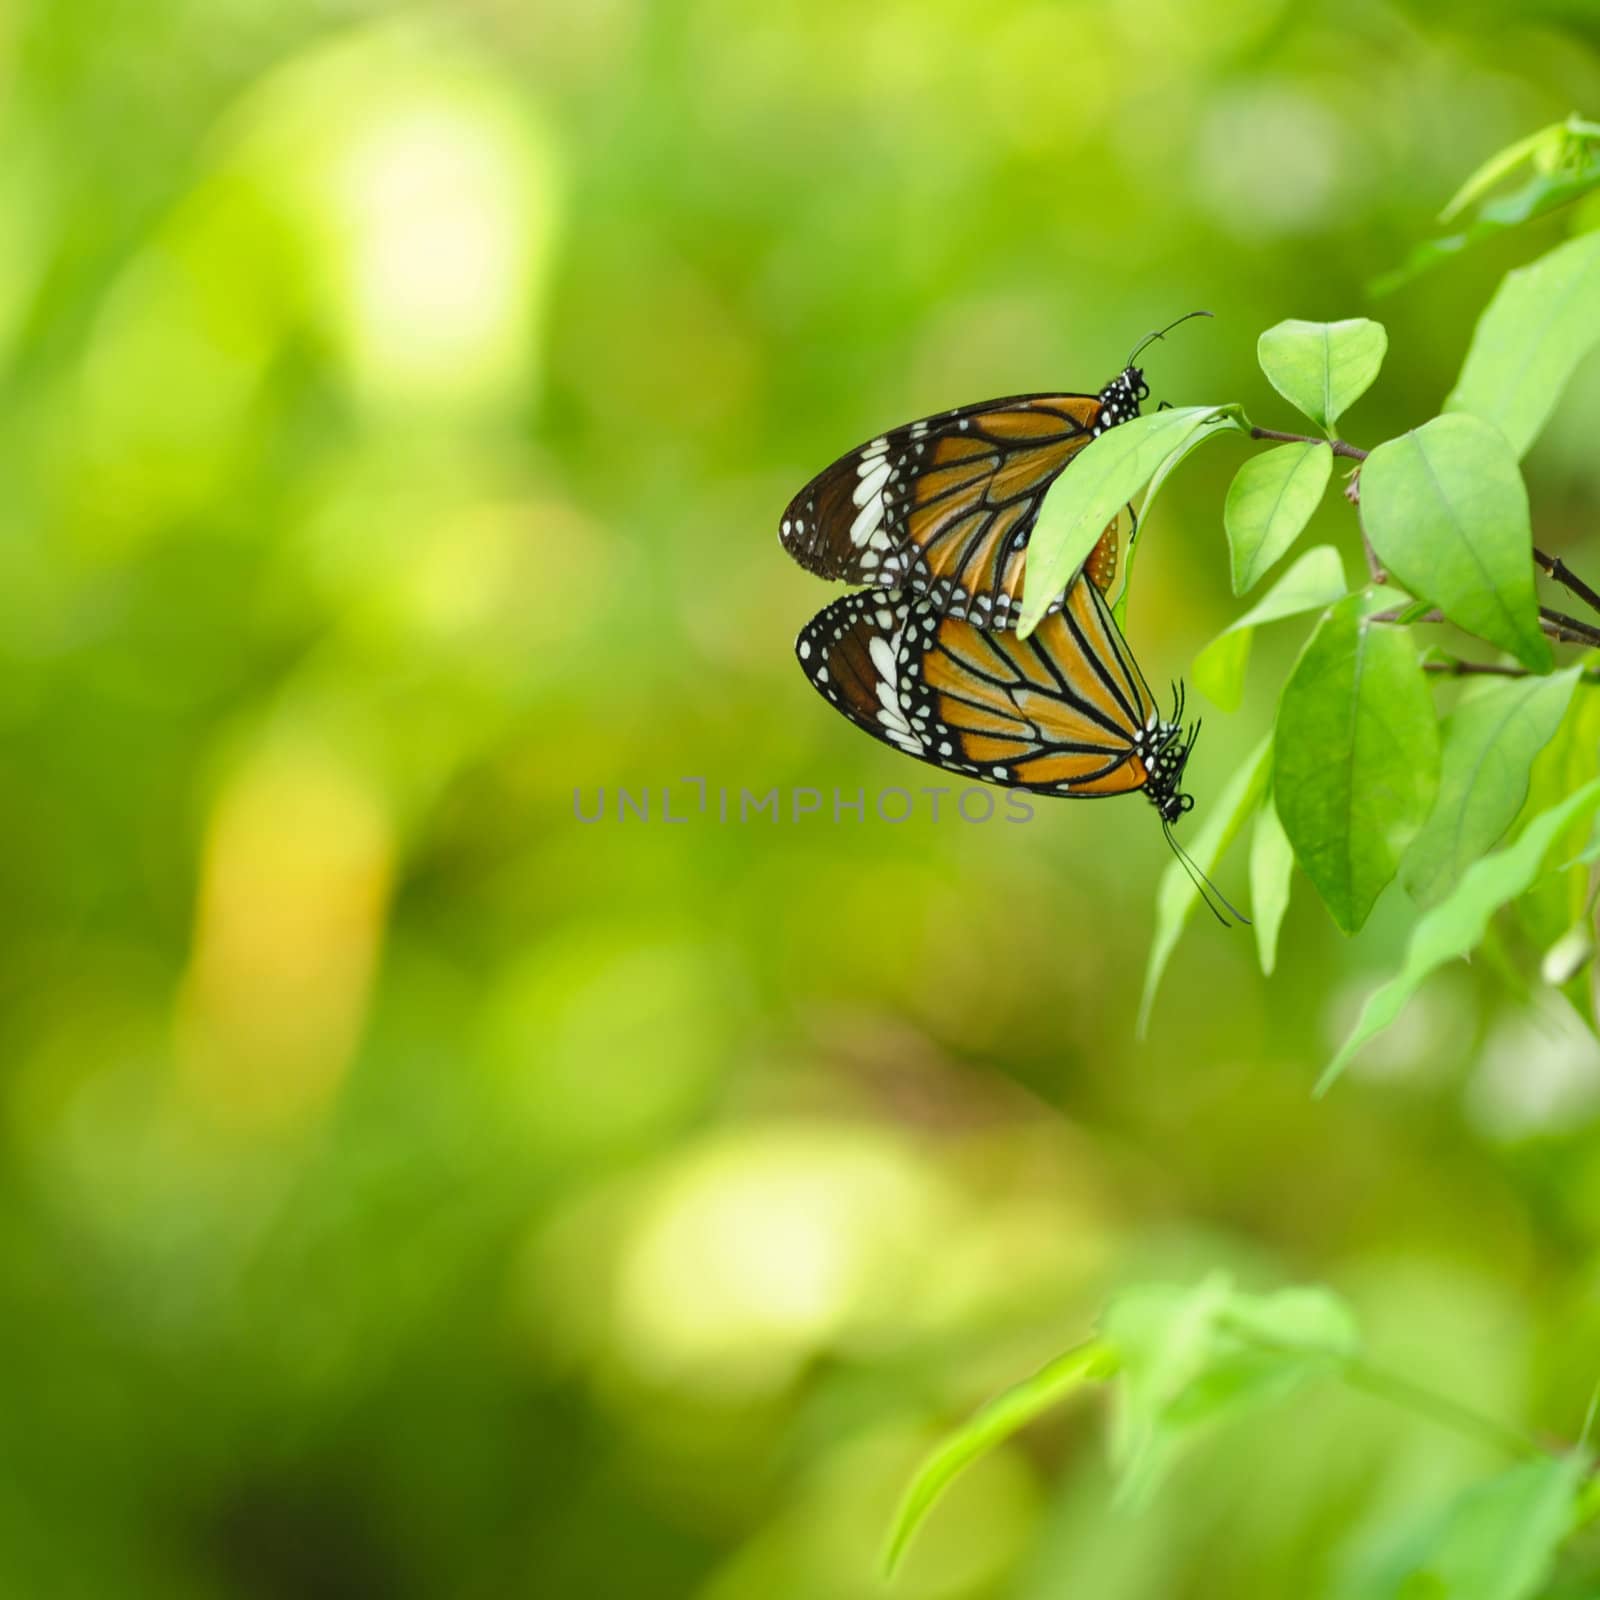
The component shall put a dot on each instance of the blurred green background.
(411, 1191)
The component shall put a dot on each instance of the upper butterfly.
(944, 507)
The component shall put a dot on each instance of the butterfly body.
(944, 507)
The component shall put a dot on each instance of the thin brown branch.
(1475, 669)
(1338, 446)
(1492, 669)
(1569, 580)
(1568, 630)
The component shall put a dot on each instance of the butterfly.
(1065, 711)
(944, 507)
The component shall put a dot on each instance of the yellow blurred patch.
(295, 884)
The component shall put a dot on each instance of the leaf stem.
(1338, 446)
(1493, 669)
(1439, 1408)
(1361, 1374)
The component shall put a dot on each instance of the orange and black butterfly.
(944, 507)
(1065, 711)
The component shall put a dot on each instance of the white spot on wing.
(874, 474)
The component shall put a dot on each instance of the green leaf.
(1543, 193)
(1270, 500)
(1190, 1357)
(1357, 757)
(1136, 539)
(1176, 895)
(1271, 868)
(1105, 476)
(1455, 926)
(1543, 320)
(1497, 1540)
(1315, 580)
(1322, 368)
(1489, 744)
(1446, 510)
(1498, 165)
(1569, 761)
(993, 1423)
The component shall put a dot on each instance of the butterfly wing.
(1065, 711)
(944, 507)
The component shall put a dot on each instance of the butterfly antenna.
(1161, 333)
(1207, 890)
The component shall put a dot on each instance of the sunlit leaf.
(1488, 747)
(1177, 895)
(1315, 580)
(1357, 757)
(1445, 508)
(1497, 1540)
(1271, 870)
(1454, 927)
(1270, 500)
(1193, 1356)
(1105, 476)
(1322, 368)
(1157, 483)
(993, 1423)
(1543, 320)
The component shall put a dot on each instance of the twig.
(1568, 630)
(1563, 574)
(1475, 669)
(1338, 446)
(1492, 669)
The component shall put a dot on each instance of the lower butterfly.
(1065, 711)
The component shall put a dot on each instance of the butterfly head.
(1121, 398)
(1168, 748)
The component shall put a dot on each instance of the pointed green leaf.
(1446, 510)
(1357, 757)
(1176, 895)
(1315, 580)
(1543, 193)
(1455, 926)
(1543, 320)
(1488, 747)
(1322, 368)
(1271, 868)
(1499, 164)
(1269, 501)
(993, 1423)
(1105, 476)
(1193, 1356)
(1497, 1540)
